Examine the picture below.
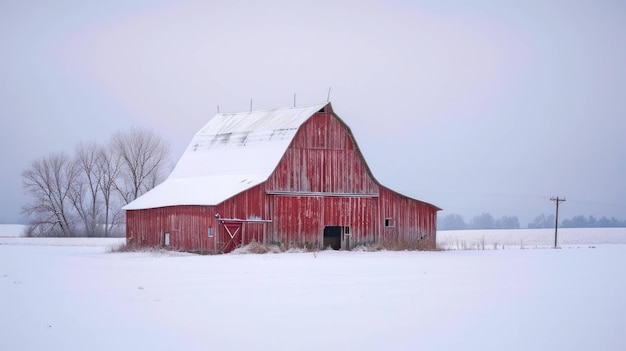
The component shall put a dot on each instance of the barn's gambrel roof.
(233, 152)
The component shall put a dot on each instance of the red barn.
(291, 176)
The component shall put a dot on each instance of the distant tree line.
(579, 221)
(82, 194)
(482, 221)
(542, 221)
(486, 221)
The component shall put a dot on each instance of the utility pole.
(557, 200)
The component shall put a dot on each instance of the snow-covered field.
(12, 229)
(59, 295)
(528, 238)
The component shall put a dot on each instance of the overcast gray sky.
(481, 106)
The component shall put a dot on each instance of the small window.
(166, 239)
(210, 231)
(389, 222)
(346, 230)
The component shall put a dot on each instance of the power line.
(595, 203)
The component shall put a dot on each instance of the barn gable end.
(320, 192)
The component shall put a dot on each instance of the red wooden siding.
(188, 227)
(322, 181)
(413, 221)
(319, 162)
(300, 220)
(249, 208)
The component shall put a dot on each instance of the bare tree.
(85, 192)
(110, 167)
(48, 181)
(144, 156)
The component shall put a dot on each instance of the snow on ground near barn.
(77, 297)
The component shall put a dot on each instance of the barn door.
(232, 237)
(332, 237)
(337, 237)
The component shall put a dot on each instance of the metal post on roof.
(294, 99)
(218, 108)
(328, 96)
(250, 105)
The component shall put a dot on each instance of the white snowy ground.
(59, 295)
(528, 238)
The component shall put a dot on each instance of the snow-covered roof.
(230, 154)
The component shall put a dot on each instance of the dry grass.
(400, 245)
(155, 250)
(256, 247)
(125, 247)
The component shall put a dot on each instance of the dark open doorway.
(332, 237)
